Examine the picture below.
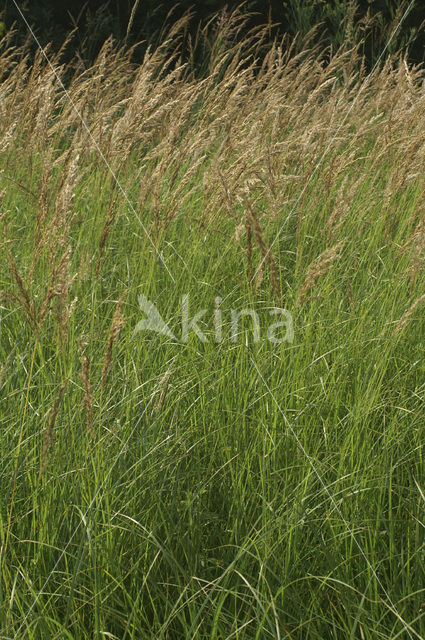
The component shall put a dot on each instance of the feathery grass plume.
(405, 317)
(227, 193)
(42, 207)
(340, 210)
(183, 191)
(42, 103)
(318, 268)
(48, 434)
(163, 387)
(23, 298)
(59, 287)
(84, 268)
(45, 107)
(265, 252)
(249, 247)
(260, 276)
(65, 309)
(59, 227)
(132, 14)
(109, 221)
(118, 322)
(70, 175)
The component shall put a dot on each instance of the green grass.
(190, 509)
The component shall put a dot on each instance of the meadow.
(161, 489)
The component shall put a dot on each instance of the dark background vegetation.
(97, 19)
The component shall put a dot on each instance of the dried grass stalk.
(249, 247)
(42, 208)
(405, 317)
(265, 251)
(318, 268)
(163, 387)
(59, 286)
(24, 297)
(260, 276)
(109, 221)
(118, 322)
(48, 434)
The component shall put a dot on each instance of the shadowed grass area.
(229, 488)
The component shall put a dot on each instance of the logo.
(276, 332)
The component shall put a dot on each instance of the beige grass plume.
(318, 268)
(405, 317)
(49, 431)
(118, 321)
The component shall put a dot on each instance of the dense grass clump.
(159, 488)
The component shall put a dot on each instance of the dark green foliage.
(336, 22)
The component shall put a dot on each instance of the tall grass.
(153, 488)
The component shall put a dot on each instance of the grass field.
(161, 489)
